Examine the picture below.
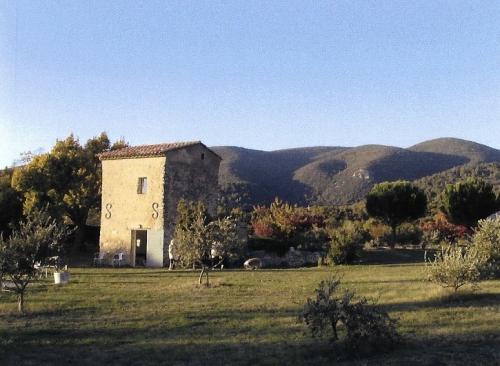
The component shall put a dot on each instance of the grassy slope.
(146, 316)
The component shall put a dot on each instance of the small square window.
(142, 185)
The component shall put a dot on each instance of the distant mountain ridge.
(338, 175)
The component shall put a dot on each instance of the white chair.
(40, 270)
(99, 258)
(118, 259)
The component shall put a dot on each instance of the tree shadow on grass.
(234, 336)
(448, 301)
(146, 347)
(394, 256)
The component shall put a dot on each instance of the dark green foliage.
(435, 184)
(278, 247)
(366, 327)
(346, 243)
(10, 203)
(466, 202)
(395, 203)
(409, 234)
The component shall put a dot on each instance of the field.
(148, 316)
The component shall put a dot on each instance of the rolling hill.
(338, 175)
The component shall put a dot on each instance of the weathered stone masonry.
(173, 172)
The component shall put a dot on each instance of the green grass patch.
(151, 316)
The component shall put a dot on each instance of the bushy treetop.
(468, 201)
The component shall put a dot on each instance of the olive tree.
(395, 203)
(197, 238)
(364, 326)
(36, 238)
(466, 202)
(455, 266)
(486, 240)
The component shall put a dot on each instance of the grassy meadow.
(150, 316)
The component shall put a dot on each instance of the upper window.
(142, 185)
(202, 156)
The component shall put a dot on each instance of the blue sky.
(258, 74)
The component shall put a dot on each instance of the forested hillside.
(339, 175)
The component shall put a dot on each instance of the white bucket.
(61, 278)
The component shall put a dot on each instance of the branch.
(218, 264)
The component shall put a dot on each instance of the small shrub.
(363, 327)
(346, 243)
(486, 241)
(377, 229)
(369, 328)
(455, 266)
(373, 244)
(323, 314)
(409, 234)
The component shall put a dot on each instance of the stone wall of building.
(123, 209)
(192, 174)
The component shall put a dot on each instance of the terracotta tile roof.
(145, 150)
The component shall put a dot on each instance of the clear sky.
(258, 74)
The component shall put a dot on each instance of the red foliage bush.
(282, 220)
(264, 230)
(442, 230)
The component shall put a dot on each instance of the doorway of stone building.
(139, 247)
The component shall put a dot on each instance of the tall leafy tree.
(395, 203)
(466, 202)
(67, 179)
(10, 203)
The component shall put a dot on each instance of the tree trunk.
(204, 271)
(394, 236)
(20, 302)
(334, 328)
(80, 236)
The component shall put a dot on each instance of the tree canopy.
(10, 203)
(198, 238)
(67, 179)
(395, 203)
(468, 201)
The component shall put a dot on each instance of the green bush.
(346, 243)
(366, 327)
(269, 245)
(314, 239)
(486, 241)
(409, 234)
(455, 266)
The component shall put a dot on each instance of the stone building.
(141, 187)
